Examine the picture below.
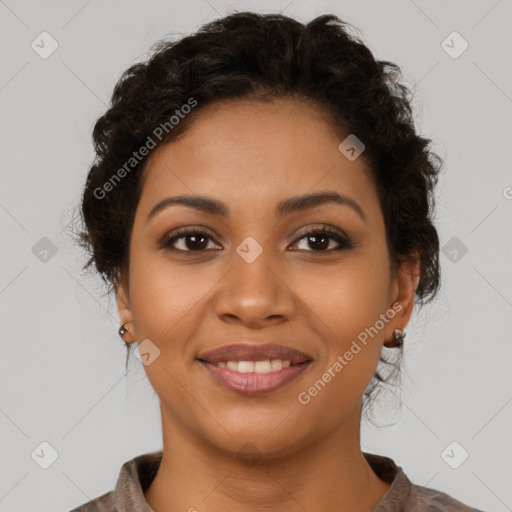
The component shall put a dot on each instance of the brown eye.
(320, 240)
(191, 240)
(188, 240)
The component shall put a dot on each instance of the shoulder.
(431, 500)
(134, 478)
(405, 496)
(103, 503)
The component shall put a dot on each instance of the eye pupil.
(322, 245)
(195, 245)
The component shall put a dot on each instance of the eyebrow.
(285, 207)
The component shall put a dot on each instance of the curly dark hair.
(248, 55)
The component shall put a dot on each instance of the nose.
(254, 294)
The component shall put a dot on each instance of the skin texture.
(251, 155)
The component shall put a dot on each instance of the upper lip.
(254, 352)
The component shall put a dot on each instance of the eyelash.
(343, 241)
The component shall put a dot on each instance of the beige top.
(403, 496)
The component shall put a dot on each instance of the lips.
(252, 352)
(254, 369)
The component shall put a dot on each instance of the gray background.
(62, 365)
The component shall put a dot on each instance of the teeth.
(266, 366)
(262, 366)
(245, 366)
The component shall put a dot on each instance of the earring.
(399, 335)
(122, 330)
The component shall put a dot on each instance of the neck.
(327, 474)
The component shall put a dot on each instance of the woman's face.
(257, 278)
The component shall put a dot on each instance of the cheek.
(347, 298)
(346, 305)
(162, 294)
(163, 299)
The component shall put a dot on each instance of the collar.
(137, 474)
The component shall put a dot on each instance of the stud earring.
(122, 330)
(399, 335)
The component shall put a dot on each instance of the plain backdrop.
(62, 367)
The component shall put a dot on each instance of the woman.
(261, 206)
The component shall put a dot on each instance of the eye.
(193, 240)
(320, 240)
(196, 240)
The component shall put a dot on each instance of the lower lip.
(254, 383)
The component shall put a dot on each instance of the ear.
(124, 306)
(403, 289)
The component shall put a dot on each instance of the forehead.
(252, 153)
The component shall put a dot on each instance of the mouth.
(254, 369)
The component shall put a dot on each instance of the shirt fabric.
(403, 496)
